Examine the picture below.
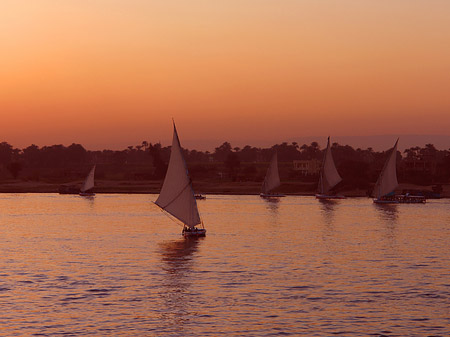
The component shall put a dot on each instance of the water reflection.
(327, 208)
(272, 204)
(89, 199)
(178, 258)
(387, 212)
(121, 271)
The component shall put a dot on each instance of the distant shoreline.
(203, 187)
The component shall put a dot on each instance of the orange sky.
(111, 73)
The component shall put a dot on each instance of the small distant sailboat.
(329, 176)
(272, 179)
(384, 189)
(177, 196)
(88, 185)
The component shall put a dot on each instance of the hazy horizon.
(377, 142)
(254, 71)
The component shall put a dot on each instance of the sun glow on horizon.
(102, 72)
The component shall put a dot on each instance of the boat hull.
(87, 194)
(199, 197)
(329, 197)
(384, 202)
(194, 232)
(401, 199)
(275, 195)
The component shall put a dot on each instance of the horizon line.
(259, 142)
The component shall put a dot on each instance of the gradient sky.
(111, 73)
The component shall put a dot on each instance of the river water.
(116, 265)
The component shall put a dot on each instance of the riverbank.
(205, 187)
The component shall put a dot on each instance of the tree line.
(146, 161)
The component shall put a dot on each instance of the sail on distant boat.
(177, 196)
(384, 189)
(272, 179)
(387, 180)
(329, 176)
(88, 185)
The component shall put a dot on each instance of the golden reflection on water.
(89, 199)
(178, 259)
(387, 212)
(327, 208)
(388, 215)
(273, 206)
(115, 265)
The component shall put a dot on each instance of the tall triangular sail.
(387, 181)
(272, 179)
(89, 181)
(177, 196)
(329, 176)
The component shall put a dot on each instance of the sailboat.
(329, 176)
(272, 179)
(88, 185)
(199, 196)
(177, 196)
(384, 189)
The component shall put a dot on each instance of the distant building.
(307, 167)
(426, 165)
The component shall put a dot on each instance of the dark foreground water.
(115, 265)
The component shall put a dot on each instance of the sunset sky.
(112, 73)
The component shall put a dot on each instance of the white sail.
(329, 176)
(89, 181)
(177, 196)
(272, 179)
(387, 181)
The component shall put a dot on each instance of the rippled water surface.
(115, 265)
